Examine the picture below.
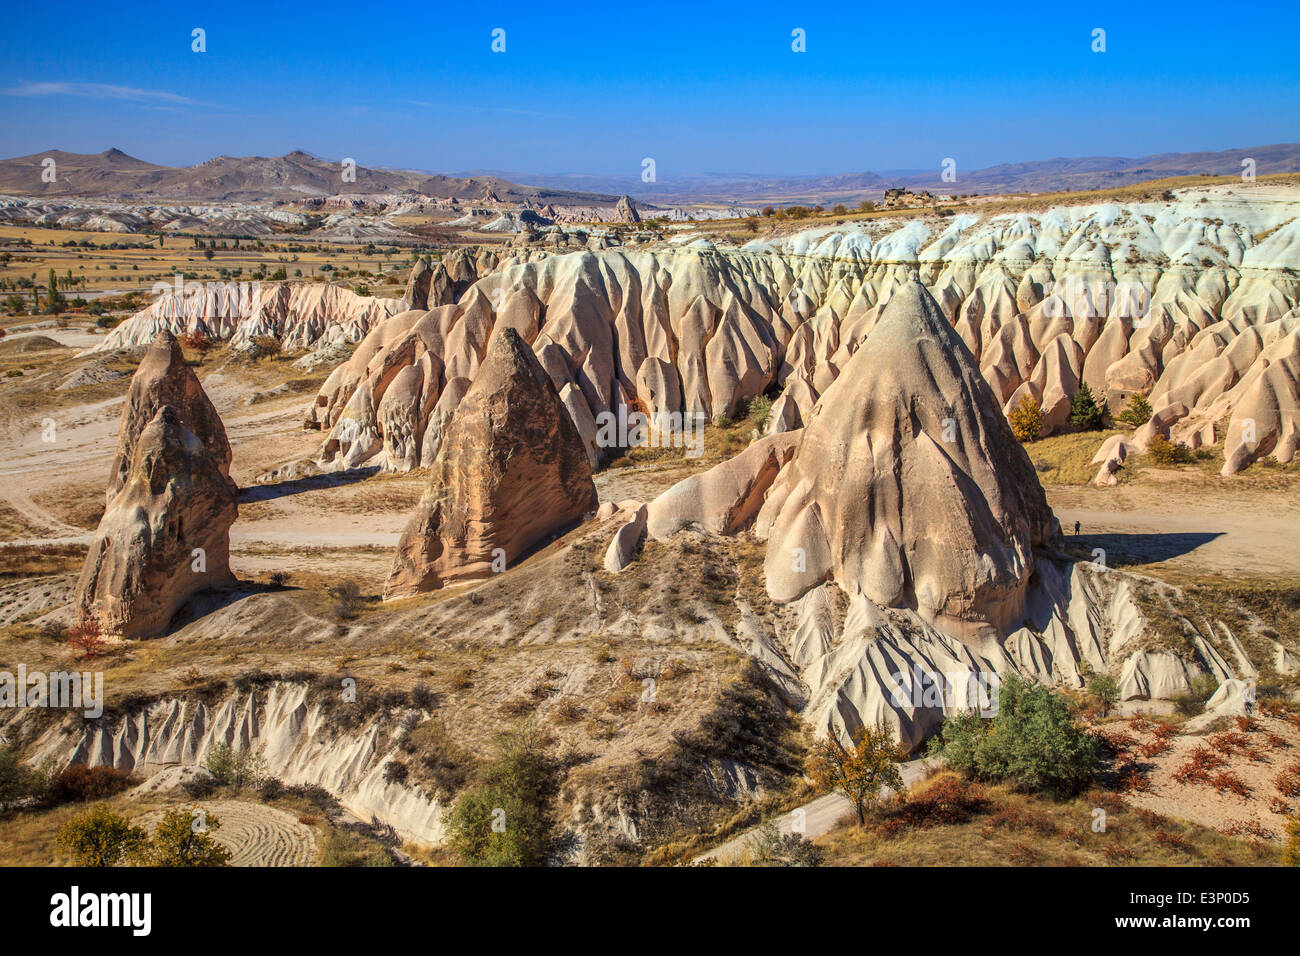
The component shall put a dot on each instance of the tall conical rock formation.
(163, 378)
(907, 486)
(165, 534)
(511, 471)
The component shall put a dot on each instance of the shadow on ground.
(296, 486)
(1135, 548)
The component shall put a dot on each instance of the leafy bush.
(238, 769)
(1136, 412)
(1202, 689)
(1033, 743)
(1027, 420)
(503, 820)
(100, 837)
(1085, 415)
(1164, 452)
(1105, 691)
(759, 410)
(177, 841)
(769, 847)
(946, 799)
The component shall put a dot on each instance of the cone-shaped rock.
(908, 486)
(511, 472)
(163, 378)
(164, 536)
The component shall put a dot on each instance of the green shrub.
(100, 837)
(1291, 855)
(1033, 743)
(176, 841)
(1202, 689)
(1164, 452)
(503, 819)
(1136, 412)
(238, 769)
(760, 409)
(1085, 415)
(1105, 691)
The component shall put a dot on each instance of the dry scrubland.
(312, 554)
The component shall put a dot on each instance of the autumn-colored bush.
(1227, 781)
(86, 639)
(80, 783)
(1027, 420)
(946, 799)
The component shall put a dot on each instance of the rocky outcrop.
(907, 486)
(163, 379)
(164, 536)
(727, 497)
(510, 473)
(299, 315)
(624, 211)
(1179, 299)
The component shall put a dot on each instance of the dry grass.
(1067, 459)
(1017, 829)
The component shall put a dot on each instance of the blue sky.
(700, 87)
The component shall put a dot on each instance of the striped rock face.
(1191, 302)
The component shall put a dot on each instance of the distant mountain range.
(113, 174)
(1047, 175)
(296, 176)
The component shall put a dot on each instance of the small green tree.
(1136, 412)
(504, 819)
(100, 837)
(1084, 413)
(179, 841)
(1034, 742)
(760, 407)
(1105, 691)
(1027, 420)
(858, 773)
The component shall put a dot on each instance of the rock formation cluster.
(1192, 302)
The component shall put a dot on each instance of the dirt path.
(819, 816)
(1214, 528)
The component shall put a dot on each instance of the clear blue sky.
(700, 87)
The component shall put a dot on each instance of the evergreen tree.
(1084, 413)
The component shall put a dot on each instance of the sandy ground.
(1254, 757)
(1219, 527)
(255, 834)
